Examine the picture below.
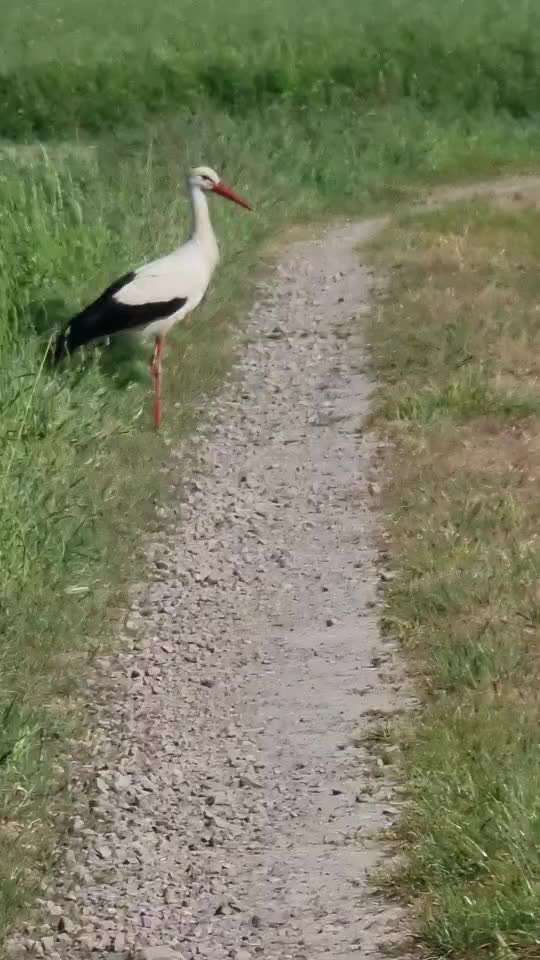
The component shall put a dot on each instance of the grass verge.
(456, 341)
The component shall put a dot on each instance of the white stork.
(157, 295)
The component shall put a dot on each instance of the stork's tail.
(59, 349)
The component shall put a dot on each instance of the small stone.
(35, 948)
(53, 908)
(14, 950)
(121, 783)
(104, 852)
(330, 622)
(119, 942)
(146, 784)
(247, 781)
(388, 575)
(88, 942)
(81, 874)
(160, 953)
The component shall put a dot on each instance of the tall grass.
(122, 61)
(310, 109)
(457, 342)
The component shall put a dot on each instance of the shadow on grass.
(124, 359)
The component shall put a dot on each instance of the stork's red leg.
(155, 369)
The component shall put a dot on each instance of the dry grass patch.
(456, 340)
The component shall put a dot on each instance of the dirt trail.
(516, 191)
(233, 807)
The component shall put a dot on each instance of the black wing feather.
(107, 316)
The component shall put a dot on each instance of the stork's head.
(207, 179)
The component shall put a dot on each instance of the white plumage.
(159, 294)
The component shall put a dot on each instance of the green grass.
(121, 60)
(311, 110)
(463, 515)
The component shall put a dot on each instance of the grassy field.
(457, 341)
(168, 54)
(310, 111)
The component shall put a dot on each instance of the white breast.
(185, 274)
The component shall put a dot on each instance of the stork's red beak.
(225, 191)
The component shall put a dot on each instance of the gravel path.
(232, 806)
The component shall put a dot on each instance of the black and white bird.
(151, 299)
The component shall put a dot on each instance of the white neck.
(202, 232)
